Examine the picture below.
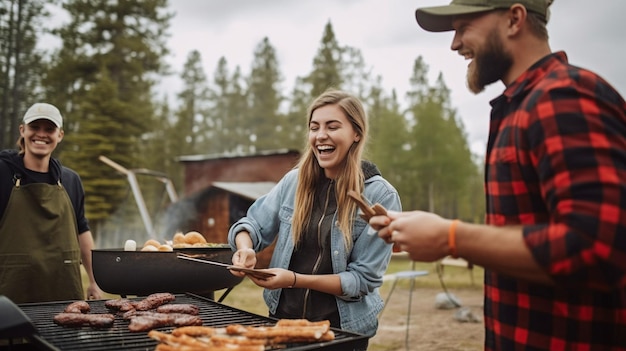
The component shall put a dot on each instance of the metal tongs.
(257, 273)
(367, 210)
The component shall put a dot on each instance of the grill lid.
(15, 324)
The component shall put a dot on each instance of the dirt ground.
(430, 328)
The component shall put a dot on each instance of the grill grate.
(119, 337)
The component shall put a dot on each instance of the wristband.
(294, 280)
(452, 238)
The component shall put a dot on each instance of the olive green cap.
(439, 18)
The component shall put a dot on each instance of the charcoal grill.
(118, 337)
(140, 273)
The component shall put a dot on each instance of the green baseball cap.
(439, 18)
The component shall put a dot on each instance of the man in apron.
(44, 234)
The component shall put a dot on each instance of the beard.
(489, 65)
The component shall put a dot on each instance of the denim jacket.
(360, 270)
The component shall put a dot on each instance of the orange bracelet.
(452, 238)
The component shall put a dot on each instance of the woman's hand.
(282, 279)
(245, 258)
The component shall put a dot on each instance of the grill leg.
(408, 315)
(412, 275)
(225, 294)
(388, 297)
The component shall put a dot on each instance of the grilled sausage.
(102, 320)
(153, 301)
(122, 305)
(146, 320)
(77, 307)
(178, 308)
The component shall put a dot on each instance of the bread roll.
(165, 248)
(152, 242)
(179, 238)
(194, 238)
(150, 248)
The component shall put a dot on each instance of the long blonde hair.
(349, 178)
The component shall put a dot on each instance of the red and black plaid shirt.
(556, 164)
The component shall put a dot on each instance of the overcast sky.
(591, 32)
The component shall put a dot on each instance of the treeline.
(112, 55)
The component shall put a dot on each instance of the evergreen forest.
(104, 75)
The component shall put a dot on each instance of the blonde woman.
(326, 264)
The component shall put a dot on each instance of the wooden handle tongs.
(367, 210)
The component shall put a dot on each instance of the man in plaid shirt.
(554, 247)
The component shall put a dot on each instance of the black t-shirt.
(313, 256)
(12, 167)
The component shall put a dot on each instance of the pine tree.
(192, 125)
(356, 75)
(295, 120)
(442, 160)
(238, 110)
(229, 108)
(21, 63)
(264, 97)
(327, 65)
(102, 80)
(389, 137)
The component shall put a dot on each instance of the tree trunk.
(5, 123)
(16, 95)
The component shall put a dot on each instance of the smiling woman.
(331, 135)
(323, 265)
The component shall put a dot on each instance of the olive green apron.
(39, 250)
